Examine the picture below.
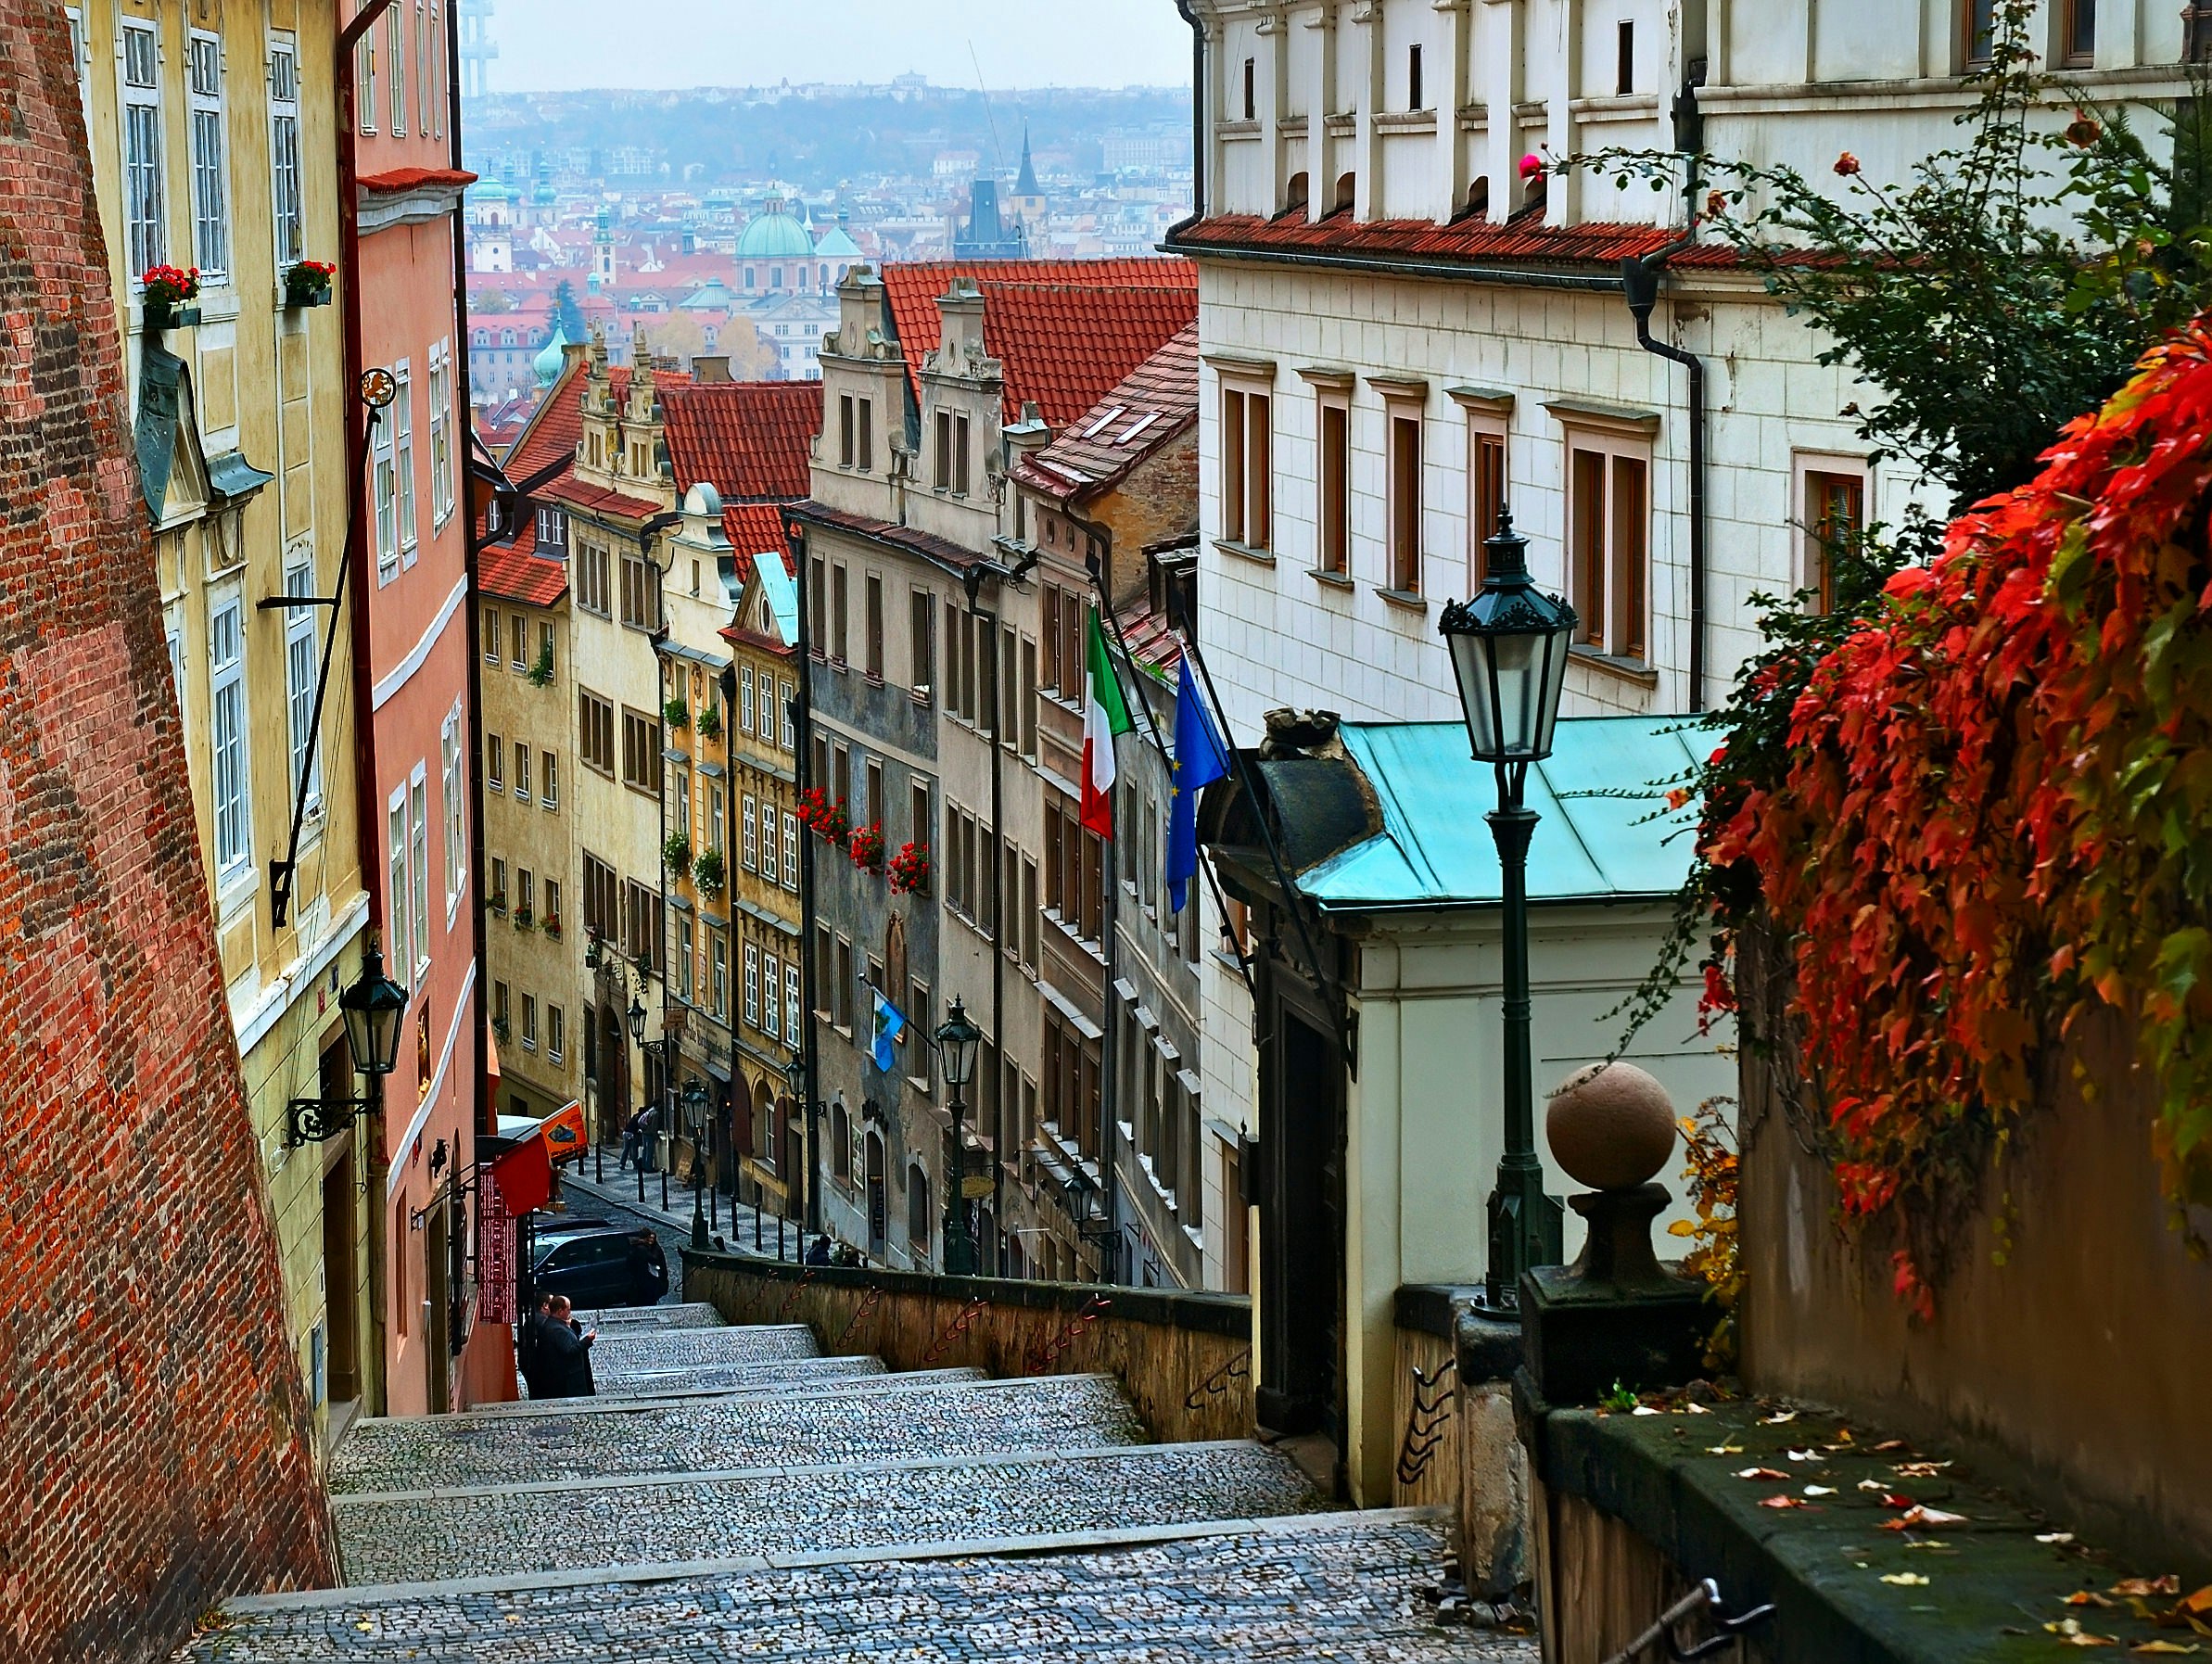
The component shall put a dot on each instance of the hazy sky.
(553, 44)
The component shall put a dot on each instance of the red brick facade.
(157, 1438)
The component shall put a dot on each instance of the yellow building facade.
(213, 144)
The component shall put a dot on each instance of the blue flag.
(1200, 760)
(889, 1025)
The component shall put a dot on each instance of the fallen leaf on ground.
(1891, 1500)
(1778, 1418)
(1783, 1502)
(1905, 1580)
(2165, 1646)
(2200, 1602)
(1872, 1485)
(2070, 1633)
(1919, 1470)
(1804, 1455)
(2087, 1598)
(1724, 1450)
(1696, 1409)
(2055, 1537)
(1820, 1490)
(1761, 1473)
(1887, 1446)
(2169, 1584)
(1922, 1515)
(1644, 1410)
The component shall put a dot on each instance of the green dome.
(775, 234)
(548, 362)
(491, 190)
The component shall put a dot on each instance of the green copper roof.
(775, 234)
(1603, 832)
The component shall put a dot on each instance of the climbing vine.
(1986, 826)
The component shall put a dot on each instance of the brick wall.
(157, 1452)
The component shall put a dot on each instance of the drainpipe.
(971, 580)
(367, 807)
(1198, 119)
(801, 763)
(1640, 284)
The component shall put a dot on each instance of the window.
(284, 152)
(713, 818)
(640, 752)
(595, 731)
(396, 913)
(1485, 493)
(785, 696)
(552, 903)
(518, 640)
(790, 851)
(2079, 44)
(226, 728)
(425, 84)
(552, 530)
(745, 705)
(1334, 534)
(846, 431)
(841, 992)
(838, 584)
(873, 626)
(1607, 537)
(545, 647)
(591, 578)
(753, 983)
(1405, 500)
(387, 504)
(549, 780)
(144, 214)
(791, 1001)
(718, 979)
(922, 658)
(1980, 17)
(498, 900)
(817, 634)
(772, 980)
(529, 1022)
(556, 1032)
(81, 56)
(1835, 512)
(1251, 97)
(1413, 79)
(503, 1005)
(525, 894)
(1028, 698)
(680, 792)
(452, 784)
(917, 1212)
(643, 938)
(1624, 59)
(686, 948)
(872, 806)
(1246, 434)
(641, 593)
(749, 854)
(602, 905)
(491, 635)
(302, 662)
(1029, 916)
(441, 432)
(495, 763)
(418, 858)
(522, 772)
(402, 417)
(210, 209)
(768, 840)
(395, 35)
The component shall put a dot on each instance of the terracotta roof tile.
(1065, 330)
(1467, 240)
(753, 528)
(408, 179)
(749, 438)
(575, 494)
(942, 551)
(1146, 409)
(512, 573)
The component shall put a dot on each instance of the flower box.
(169, 292)
(306, 283)
(866, 849)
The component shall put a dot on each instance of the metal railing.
(1705, 1598)
(1425, 1419)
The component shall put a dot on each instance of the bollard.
(641, 1184)
(755, 1223)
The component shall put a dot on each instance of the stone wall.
(1185, 1358)
(159, 1449)
(2073, 1372)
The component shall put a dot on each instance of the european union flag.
(1200, 759)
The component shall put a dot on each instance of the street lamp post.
(1508, 643)
(795, 1080)
(695, 1103)
(957, 1042)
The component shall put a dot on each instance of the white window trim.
(1634, 442)
(129, 97)
(300, 631)
(214, 274)
(395, 35)
(399, 950)
(1801, 465)
(234, 869)
(442, 494)
(453, 784)
(401, 423)
(418, 839)
(384, 507)
(281, 111)
(753, 984)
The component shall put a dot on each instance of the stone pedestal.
(1616, 1315)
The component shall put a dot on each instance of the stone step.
(1346, 1587)
(695, 1315)
(763, 1380)
(805, 1427)
(632, 1349)
(893, 1507)
(767, 1375)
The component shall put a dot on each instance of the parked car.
(602, 1264)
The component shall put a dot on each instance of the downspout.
(802, 757)
(487, 1112)
(971, 580)
(368, 810)
(1198, 119)
(1640, 284)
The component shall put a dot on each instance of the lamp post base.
(1527, 1229)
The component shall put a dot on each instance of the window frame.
(1603, 607)
(230, 782)
(302, 673)
(207, 119)
(145, 177)
(287, 206)
(1405, 504)
(1808, 466)
(1247, 471)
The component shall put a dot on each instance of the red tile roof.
(1468, 241)
(1146, 408)
(409, 179)
(752, 440)
(753, 529)
(512, 573)
(930, 547)
(1065, 330)
(576, 494)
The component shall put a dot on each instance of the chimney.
(710, 367)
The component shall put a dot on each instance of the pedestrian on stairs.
(530, 1346)
(819, 1254)
(633, 1133)
(564, 1345)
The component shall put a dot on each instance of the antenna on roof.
(997, 154)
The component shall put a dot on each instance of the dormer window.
(952, 452)
(553, 532)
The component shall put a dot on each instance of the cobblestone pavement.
(645, 1319)
(1341, 1587)
(553, 1528)
(823, 1425)
(640, 1348)
(774, 1375)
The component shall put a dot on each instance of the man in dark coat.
(565, 1347)
(529, 1350)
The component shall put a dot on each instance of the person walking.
(631, 1134)
(564, 1346)
(529, 1349)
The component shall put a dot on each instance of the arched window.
(775, 278)
(825, 277)
(840, 1147)
(483, 337)
(749, 284)
(764, 1125)
(918, 1213)
(1295, 194)
(1347, 187)
(507, 338)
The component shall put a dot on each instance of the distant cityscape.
(711, 227)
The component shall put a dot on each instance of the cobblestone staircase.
(732, 1493)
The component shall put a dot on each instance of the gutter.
(1198, 122)
(1397, 266)
(367, 809)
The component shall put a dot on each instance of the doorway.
(1301, 1230)
(438, 1335)
(878, 1201)
(341, 1235)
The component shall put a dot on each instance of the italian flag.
(1104, 716)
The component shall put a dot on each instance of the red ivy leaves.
(1988, 826)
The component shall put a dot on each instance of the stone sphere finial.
(1611, 1125)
